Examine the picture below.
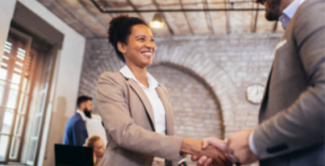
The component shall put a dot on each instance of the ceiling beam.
(139, 14)
(228, 27)
(256, 19)
(160, 11)
(175, 10)
(185, 15)
(105, 4)
(135, 9)
(74, 16)
(92, 13)
(182, 10)
(275, 26)
(208, 17)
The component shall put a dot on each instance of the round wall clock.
(255, 94)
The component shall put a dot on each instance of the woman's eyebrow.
(140, 36)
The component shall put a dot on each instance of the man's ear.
(83, 105)
(121, 47)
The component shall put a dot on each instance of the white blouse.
(157, 106)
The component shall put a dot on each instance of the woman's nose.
(150, 44)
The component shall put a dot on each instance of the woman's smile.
(147, 54)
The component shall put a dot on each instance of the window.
(15, 72)
(24, 78)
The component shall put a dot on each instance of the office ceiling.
(88, 20)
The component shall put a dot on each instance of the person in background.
(98, 146)
(75, 130)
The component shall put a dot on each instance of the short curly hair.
(120, 29)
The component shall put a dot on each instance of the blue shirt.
(289, 12)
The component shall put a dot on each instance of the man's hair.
(82, 99)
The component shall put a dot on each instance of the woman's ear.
(121, 47)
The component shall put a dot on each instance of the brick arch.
(210, 74)
(193, 101)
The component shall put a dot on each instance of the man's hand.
(238, 145)
(216, 143)
(216, 157)
(194, 147)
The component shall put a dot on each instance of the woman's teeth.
(147, 54)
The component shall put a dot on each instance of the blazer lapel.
(265, 97)
(144, 99)
(168, 110)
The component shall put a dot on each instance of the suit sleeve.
(302, 124)
(78, 133)
(114, 110)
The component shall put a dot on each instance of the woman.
(135, 108)
(98, 146)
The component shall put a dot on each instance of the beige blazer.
(129, 123)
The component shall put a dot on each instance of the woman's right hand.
(194, 147)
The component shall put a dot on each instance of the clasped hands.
(216, 152)
(214, 156)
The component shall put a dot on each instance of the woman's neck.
(98, 161)
(140, 74)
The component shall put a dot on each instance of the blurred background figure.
(95, 127)
(75, 130)
(98, 146)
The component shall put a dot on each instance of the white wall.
(67, 75)
(7, 9)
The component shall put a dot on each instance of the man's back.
(292, 111)
(75, 131)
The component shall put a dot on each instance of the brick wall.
(217, 67)
(196, 110)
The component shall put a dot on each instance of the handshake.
(214, 152)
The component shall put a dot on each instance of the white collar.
(292, 8)
(126, 72)
(82, 114)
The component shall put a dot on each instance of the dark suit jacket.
(291, 130)
(75, 131)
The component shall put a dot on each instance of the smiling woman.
(134, 44)
(135, 108)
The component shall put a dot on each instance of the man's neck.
(284, 4)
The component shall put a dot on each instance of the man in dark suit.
(291, 119)
(75, 130)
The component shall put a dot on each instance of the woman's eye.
(141, 39)
(152, 40)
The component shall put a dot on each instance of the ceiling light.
(157, 21)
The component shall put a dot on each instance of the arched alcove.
(197, 112)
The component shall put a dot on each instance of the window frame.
(8, 81)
